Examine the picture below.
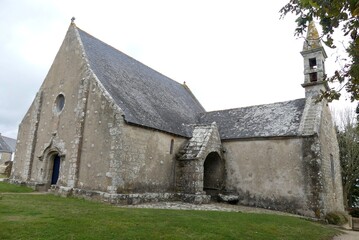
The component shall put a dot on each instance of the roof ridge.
(275, 119)
(194, 97)
(257, 105)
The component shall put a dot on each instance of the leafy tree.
(348, 140)
(333, 15)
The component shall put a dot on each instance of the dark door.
(55, 170)
(213, 174)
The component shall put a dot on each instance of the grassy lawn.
(11, 188)
(49, 217)
(3, 176)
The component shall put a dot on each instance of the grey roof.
(7, 144)
(147, 97)
(277, 119)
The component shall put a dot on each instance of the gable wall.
(332, 189)
(266, 173)
(43, 128)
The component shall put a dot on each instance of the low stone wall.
(131, 199)
(34, 185)
(118, 199)
(5, 168)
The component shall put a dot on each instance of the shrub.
(336, 218)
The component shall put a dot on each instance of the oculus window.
(59, 103)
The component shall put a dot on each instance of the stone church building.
(106, 126)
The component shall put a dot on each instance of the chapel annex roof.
(146, 97)
(271, 120)
(7, 144)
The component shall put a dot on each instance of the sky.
(230, 53)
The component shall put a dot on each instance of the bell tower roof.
(312, 41)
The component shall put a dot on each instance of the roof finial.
(73, 20)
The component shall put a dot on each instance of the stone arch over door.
(213, 174)
(53, 161)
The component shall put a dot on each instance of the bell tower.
(314, 56)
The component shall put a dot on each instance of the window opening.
(59, 103)
(313, 63)
(332, 166)
(313, 77)
(171, 147)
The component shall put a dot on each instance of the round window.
(59, 103)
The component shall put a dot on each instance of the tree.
(348, 140)
(333, 15)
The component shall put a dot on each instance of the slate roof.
(147, 97)
(277, 119)
(7, 144)
(153, 100)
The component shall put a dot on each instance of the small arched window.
(171, 146)
(59, 103)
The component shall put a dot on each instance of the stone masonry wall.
(321, 160)
(267, 173)
(17, 171)
(148, 164)
(5, 156)
(331, 170)
(45, 129)
(121, 158)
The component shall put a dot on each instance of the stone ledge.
(130, 199)
(34, 185)
(117, 199)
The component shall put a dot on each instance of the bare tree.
(348, 139)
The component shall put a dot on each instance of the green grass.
(12, 188)
(3, 175)
(25, 216)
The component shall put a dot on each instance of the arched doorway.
(213, 174)
(55, 172)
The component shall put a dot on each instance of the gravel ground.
(207, 207)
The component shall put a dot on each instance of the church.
(107, 127)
